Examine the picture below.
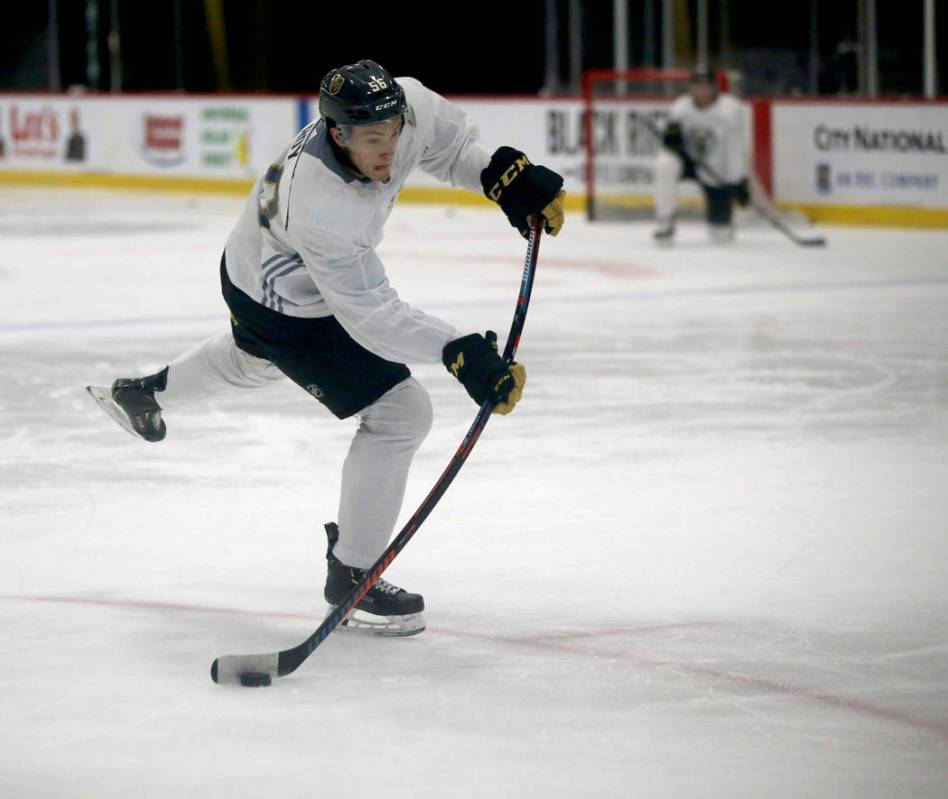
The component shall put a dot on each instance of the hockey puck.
(254, 679)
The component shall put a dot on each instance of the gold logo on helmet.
(336, 83)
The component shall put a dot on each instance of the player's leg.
(373, 487)
(669, 168)
(215, 366)
(394, 415)
(212, 367)
(719, 213)
(390, 431)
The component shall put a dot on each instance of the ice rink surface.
(707, 556)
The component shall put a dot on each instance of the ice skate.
(721, 234)
(131, 402)
(664, 233)
(385, 610)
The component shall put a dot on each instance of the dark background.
(483, 47)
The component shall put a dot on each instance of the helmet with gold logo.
(363, 93)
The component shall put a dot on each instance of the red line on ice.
(557, 642)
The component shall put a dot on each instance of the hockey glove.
(741, 193)
(474, 361)
(523, 190)
(673, 138)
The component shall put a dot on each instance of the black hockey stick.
(230, 668)
(777, 222)
(764, 211)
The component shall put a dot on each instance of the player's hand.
(518, 374)
(474, 361)
(523, 190)
(741, 193)
(673, 138)
(553, 216)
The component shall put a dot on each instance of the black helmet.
(701, 74)
(363, 93)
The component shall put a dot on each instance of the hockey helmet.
(701, 74)
(363, 93)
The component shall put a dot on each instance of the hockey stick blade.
(227, 669)
(777, 222)
(818, 241)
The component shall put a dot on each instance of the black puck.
(254, 679)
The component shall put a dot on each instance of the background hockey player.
(705, 139)
(309, 300)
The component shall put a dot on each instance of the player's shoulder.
(416, 93)
(322, 191)
(681, 104)
(730, 108)
(422, 105)
(409, 83)
(728, 101)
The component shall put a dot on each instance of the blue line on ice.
(635, 296)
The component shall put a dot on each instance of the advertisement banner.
(227, 138)
(52, 134)
(193, 137)
(861, 154)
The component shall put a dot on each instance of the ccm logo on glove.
(522, 190)
(508, 177)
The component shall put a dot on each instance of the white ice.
(707, 556)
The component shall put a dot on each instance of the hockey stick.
(777, 222)
(763, 210)
(230, 668)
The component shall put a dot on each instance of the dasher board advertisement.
(875, 154)
(195, 137)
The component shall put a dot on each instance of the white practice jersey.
(716, 135)
(305, 243)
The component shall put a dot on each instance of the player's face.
(372, 148)
(703, 94)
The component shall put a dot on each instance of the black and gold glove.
(741, 193)
(474, 361)
(523, 190)
(673, 138)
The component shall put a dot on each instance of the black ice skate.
(131, 402)
(664, 232)
(386, 609)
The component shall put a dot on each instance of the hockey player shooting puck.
(254, 679)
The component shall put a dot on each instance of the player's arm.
(673, 133)
(507, 177)
(673, 137)
(452, 152)
(352, 280)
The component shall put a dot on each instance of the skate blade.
(103, 398)
(386, 626)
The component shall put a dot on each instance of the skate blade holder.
(359, 621)
(103, 397)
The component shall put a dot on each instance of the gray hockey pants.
(375, 471)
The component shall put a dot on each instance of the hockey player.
(705, 139)
(309, 300)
